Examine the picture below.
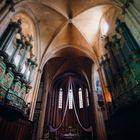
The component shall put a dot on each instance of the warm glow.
(108, 96)
(88, 22)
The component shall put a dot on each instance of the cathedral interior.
(69, 69)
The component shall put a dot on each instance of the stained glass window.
(80, 98)
(87, 99)
(70, 96)
(60, 98)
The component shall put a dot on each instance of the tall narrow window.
(70, 96)
(87, 99)
(98, 87)
(80, 98)
(60, 98)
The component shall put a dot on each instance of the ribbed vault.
(72, 22)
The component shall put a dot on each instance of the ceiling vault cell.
(96, 3)
(51, 6)
(87, 23)
(57, 32)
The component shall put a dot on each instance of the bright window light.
(80, 98)
(87, 99)
(104, 27)
(60, 98)
(70, 96)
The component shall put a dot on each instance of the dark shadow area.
(125, 123)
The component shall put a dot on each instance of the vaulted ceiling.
(77, 23)
(69, 33)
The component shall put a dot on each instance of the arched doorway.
(68, 112)
(67, 61)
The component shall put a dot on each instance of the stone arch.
(74, 49)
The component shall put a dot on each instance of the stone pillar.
(43, 108)
(35, 93)
(98, 115)
(106, 96)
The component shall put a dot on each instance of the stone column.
(35, 93)
(106, 96)
(99, 120)
(43, 108)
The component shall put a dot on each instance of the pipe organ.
(17, 66)
(121, 66)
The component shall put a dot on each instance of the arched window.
(87, 99)
(60, 98)
(80, 98)
(70, 96)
